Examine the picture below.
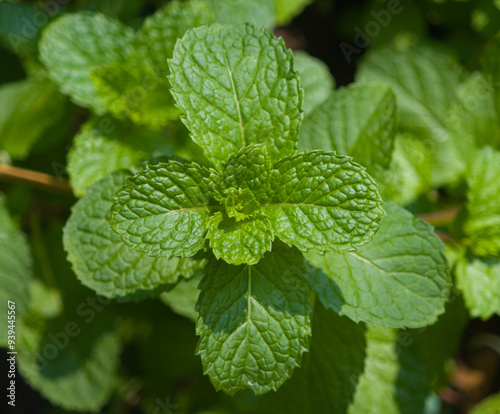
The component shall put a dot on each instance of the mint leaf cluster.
(249, 218)
(315, 201)
(262, 226)
(255, 210)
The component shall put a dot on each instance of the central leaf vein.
(236, 100)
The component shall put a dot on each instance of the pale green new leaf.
(409, 71)
(104, 145)
(15, 269)
(138, 88)
(131, 89)
(323, 202)
(286, 10)
(101, 261)
(400, 279)
(74, 45)
(387, 378)
(71, 362)
(480, 285)
(409, 173)
(28, 108)
(329, 373)
(236, 86)
(402, 366)
(257, 12)
(254, 321)
(315, 79)
(489, 406)
(359, 121)
(164, 209)
(154, 42)
(240, 204)
(45, 301)
(240, 241)
(482, 226)
(249, 168)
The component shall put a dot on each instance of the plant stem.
(444, 236)
(34, 179)
(439, 218)
(39, 248)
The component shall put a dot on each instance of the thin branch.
(34, 179)
(444, 236)
(439, 218)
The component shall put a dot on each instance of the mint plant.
(255, 213)
(236, 208)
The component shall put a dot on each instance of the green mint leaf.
(163, 210)
(404, 257)
(74, 45)
(130, 89)
(257, 12)
(258, 99)
(45, 301)
(104, 145)
(15, 271)
(155, 41)
(387, 374)
(359, 121)
(286, 10)
(101, 261)
(240, 241)
(409, 173)
(323, 202)
(482, 227)
(28, 109)
(315, 79)
(138, 88)
(71, 362)
(254, 321)
(409, 71)
(250, 168)
(480, 285)
(489, 406)
(326, 381)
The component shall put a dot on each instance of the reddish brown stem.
(439, 218)
(34, 179)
